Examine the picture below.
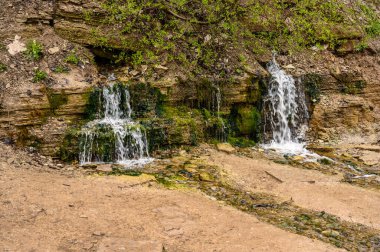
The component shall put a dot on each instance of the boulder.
(225, 147)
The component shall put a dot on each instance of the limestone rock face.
(37, 112)
(345, 117)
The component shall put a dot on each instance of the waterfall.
(218, 96)
(286, 112)
(114, 137)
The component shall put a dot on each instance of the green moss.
(241, 142)
(56, 100)
(69, 147)
(146, 100)
(312, 83)
(353, 88)
(246, 122)
(255, 91)
(325, 161)
(121, 171)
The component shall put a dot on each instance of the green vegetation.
(121, 171)
(353, 88)
(241, 142)
(72, 58)
(69, 148)
(361, 46)
(312, 85)
(3, 67)
(201, 34)
(39, 76)
(56, 100)
(61, 69)
(34, 50)
(373, 22)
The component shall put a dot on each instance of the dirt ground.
(307, 188)
(43, 209)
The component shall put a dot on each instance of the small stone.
(207, 38)
(134, 73)
(83, 216)
(60, 165)
(10, 160)
(160, 67)
(144, 68)
(53, 50)
(330, 233)
(97, 233)
(225, 147)
(16, 46)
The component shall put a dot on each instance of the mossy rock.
(246, 121)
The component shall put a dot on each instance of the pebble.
(98, 233)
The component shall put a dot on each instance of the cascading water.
(114, 137)
(287, 112)
(218, 96)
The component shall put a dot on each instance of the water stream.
(114, 137)
(218, 96)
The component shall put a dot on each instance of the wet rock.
(298, 158)
(225, 147)
(89, 166)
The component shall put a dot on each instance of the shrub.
(72, 58)
(34, 50)
(39, 76)
(3, 67)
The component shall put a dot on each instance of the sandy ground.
(42, 210)
(308, 188)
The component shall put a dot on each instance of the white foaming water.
(287, 113)
(115, 137)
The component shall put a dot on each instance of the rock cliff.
(83, 41)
